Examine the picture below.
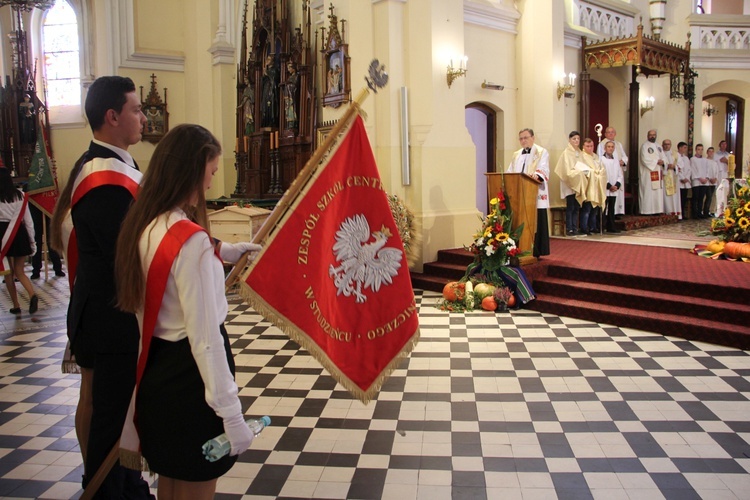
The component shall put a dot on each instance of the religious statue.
(270, 107)
(247, 102)
(26, 117)
(290, 96)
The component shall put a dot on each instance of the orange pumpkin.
(454, 291)
(737, 250)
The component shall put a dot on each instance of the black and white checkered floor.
(512, 405)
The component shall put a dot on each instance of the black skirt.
(20, 246)
(172, 416)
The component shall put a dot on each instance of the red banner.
(334, 276)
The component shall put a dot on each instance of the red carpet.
(662, 290)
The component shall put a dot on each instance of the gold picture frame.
(157, 116)
(337, 88)
(324, 129)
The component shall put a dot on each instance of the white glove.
(239, 434)
(231, 252)
(33, 248)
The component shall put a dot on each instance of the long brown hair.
(62, 207)
(175, 174)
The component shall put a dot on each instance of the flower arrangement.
(734, 225)
(495, 243)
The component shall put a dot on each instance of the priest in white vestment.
(533, 160)
(672, 205)
(650, 189)
(622, 160)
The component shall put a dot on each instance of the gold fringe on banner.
(300, 337)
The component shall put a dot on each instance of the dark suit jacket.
(97, 218)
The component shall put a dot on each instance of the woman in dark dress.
(18, 243)
(169, 274)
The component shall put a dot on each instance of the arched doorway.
(728, 124)
(599, 110)
(481, 122)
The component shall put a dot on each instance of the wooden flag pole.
(379, 78)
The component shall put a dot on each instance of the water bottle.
(258, 424)
(215, 448)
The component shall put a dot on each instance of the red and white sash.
(158, 263)
(105, 172)
(10, 233)
(95, 173)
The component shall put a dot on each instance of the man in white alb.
(722, 158)
(614, 183)
(533, 160)
(699, 171)
(650, 190)
(684, 177)
(670, 170)
(622, 160)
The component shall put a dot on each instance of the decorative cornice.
(617, 6)
(573, 35)
(223, 53)
(718, 20)
(718, 59)
(488, 16)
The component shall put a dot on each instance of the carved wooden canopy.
(649, 55)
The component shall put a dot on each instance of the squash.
(469, 291)
(715, 246)
(735, 250)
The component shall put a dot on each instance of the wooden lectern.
(521, 191)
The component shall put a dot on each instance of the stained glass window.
(61, 56)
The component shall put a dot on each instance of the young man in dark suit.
(103, 338)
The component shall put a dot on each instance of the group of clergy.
(667, 179)
(589, 182)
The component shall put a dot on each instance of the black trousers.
(611, 200)
(36, 261)
(699, 197)
(684, 203)
(114, 380)
(707, 203)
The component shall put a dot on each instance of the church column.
(634, 137)
(442, 192)
(541, 61)
(206, 92)
(584, 88)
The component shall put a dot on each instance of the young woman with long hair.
(17, 229)
(169, 274)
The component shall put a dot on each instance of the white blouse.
(8, 210)
(193, 307)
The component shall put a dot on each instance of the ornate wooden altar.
(275, 101)
(650, 57)
(20, 107)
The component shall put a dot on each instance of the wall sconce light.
(647, 105)
(709, 110)
(454, 73)
(564, 88)
(493, 86)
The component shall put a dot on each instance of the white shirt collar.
(126, 157)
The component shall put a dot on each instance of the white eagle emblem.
(363, 264)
